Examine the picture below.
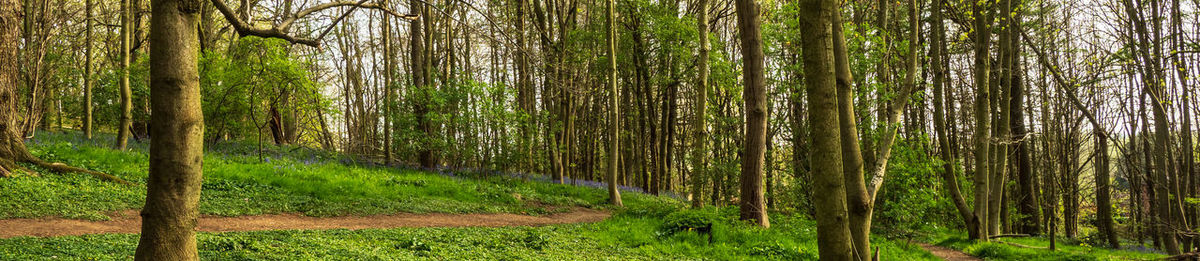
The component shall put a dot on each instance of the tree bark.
(177, 125)
(700, 107)
(614, 195)
(126, 123)
(833, 229)
(982, 135)
(87, 73)
(753, 206)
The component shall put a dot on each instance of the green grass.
(1066, 249)
(634, 234)
(238, 183)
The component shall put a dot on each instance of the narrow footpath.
(129, 222)
(947, 254)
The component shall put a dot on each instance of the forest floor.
(295, 203)
(129, 222)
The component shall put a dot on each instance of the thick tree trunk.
(12, 148)
(829, 197)
(176, 152)
(753, 206)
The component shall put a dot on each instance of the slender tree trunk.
(1026, 193)
(753, 206)
(389, 70)
(983, 118)
(858, 201)
(1103, 202)
(999, 179)
(700, 107)
(949, 172)
(421, 82)
(817, 40)
(614, 195)
(87, 73)
(126, 124)
(176, 151)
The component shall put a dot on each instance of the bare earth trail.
(129, 222)
(947, 254)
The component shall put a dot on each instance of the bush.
(687, 220)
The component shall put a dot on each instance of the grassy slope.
(1066, 250)
(238, 184)
(318, 185)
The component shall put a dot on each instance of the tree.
(753, 205)
(124, 128)
(12, 147)
(699, 139)
(829, 196)
(614, 195)
(87, 72)
(983, 118)
(177, 125)
(940, 102)
(176, 154)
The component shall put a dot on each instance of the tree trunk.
(614, 195)
(983, 118)
(1026, 194)
(753, 206)
(700, 107)
(87, 73)
(1104, 211)
(176, 151)
(948, 173)
(126, 124)
(829, 197)
(12, 148)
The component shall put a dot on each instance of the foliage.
(912, 196)
(256, 81)
(688, 220)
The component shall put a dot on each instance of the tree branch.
(279, 31)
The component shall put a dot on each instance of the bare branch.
(280, 30)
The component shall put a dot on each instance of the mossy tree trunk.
(829, 195)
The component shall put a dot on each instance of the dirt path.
(948, 254)
(129, 222)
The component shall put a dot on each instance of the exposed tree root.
(1008, 235)
(1021, 246)
(64, 168)
(1184, 256)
